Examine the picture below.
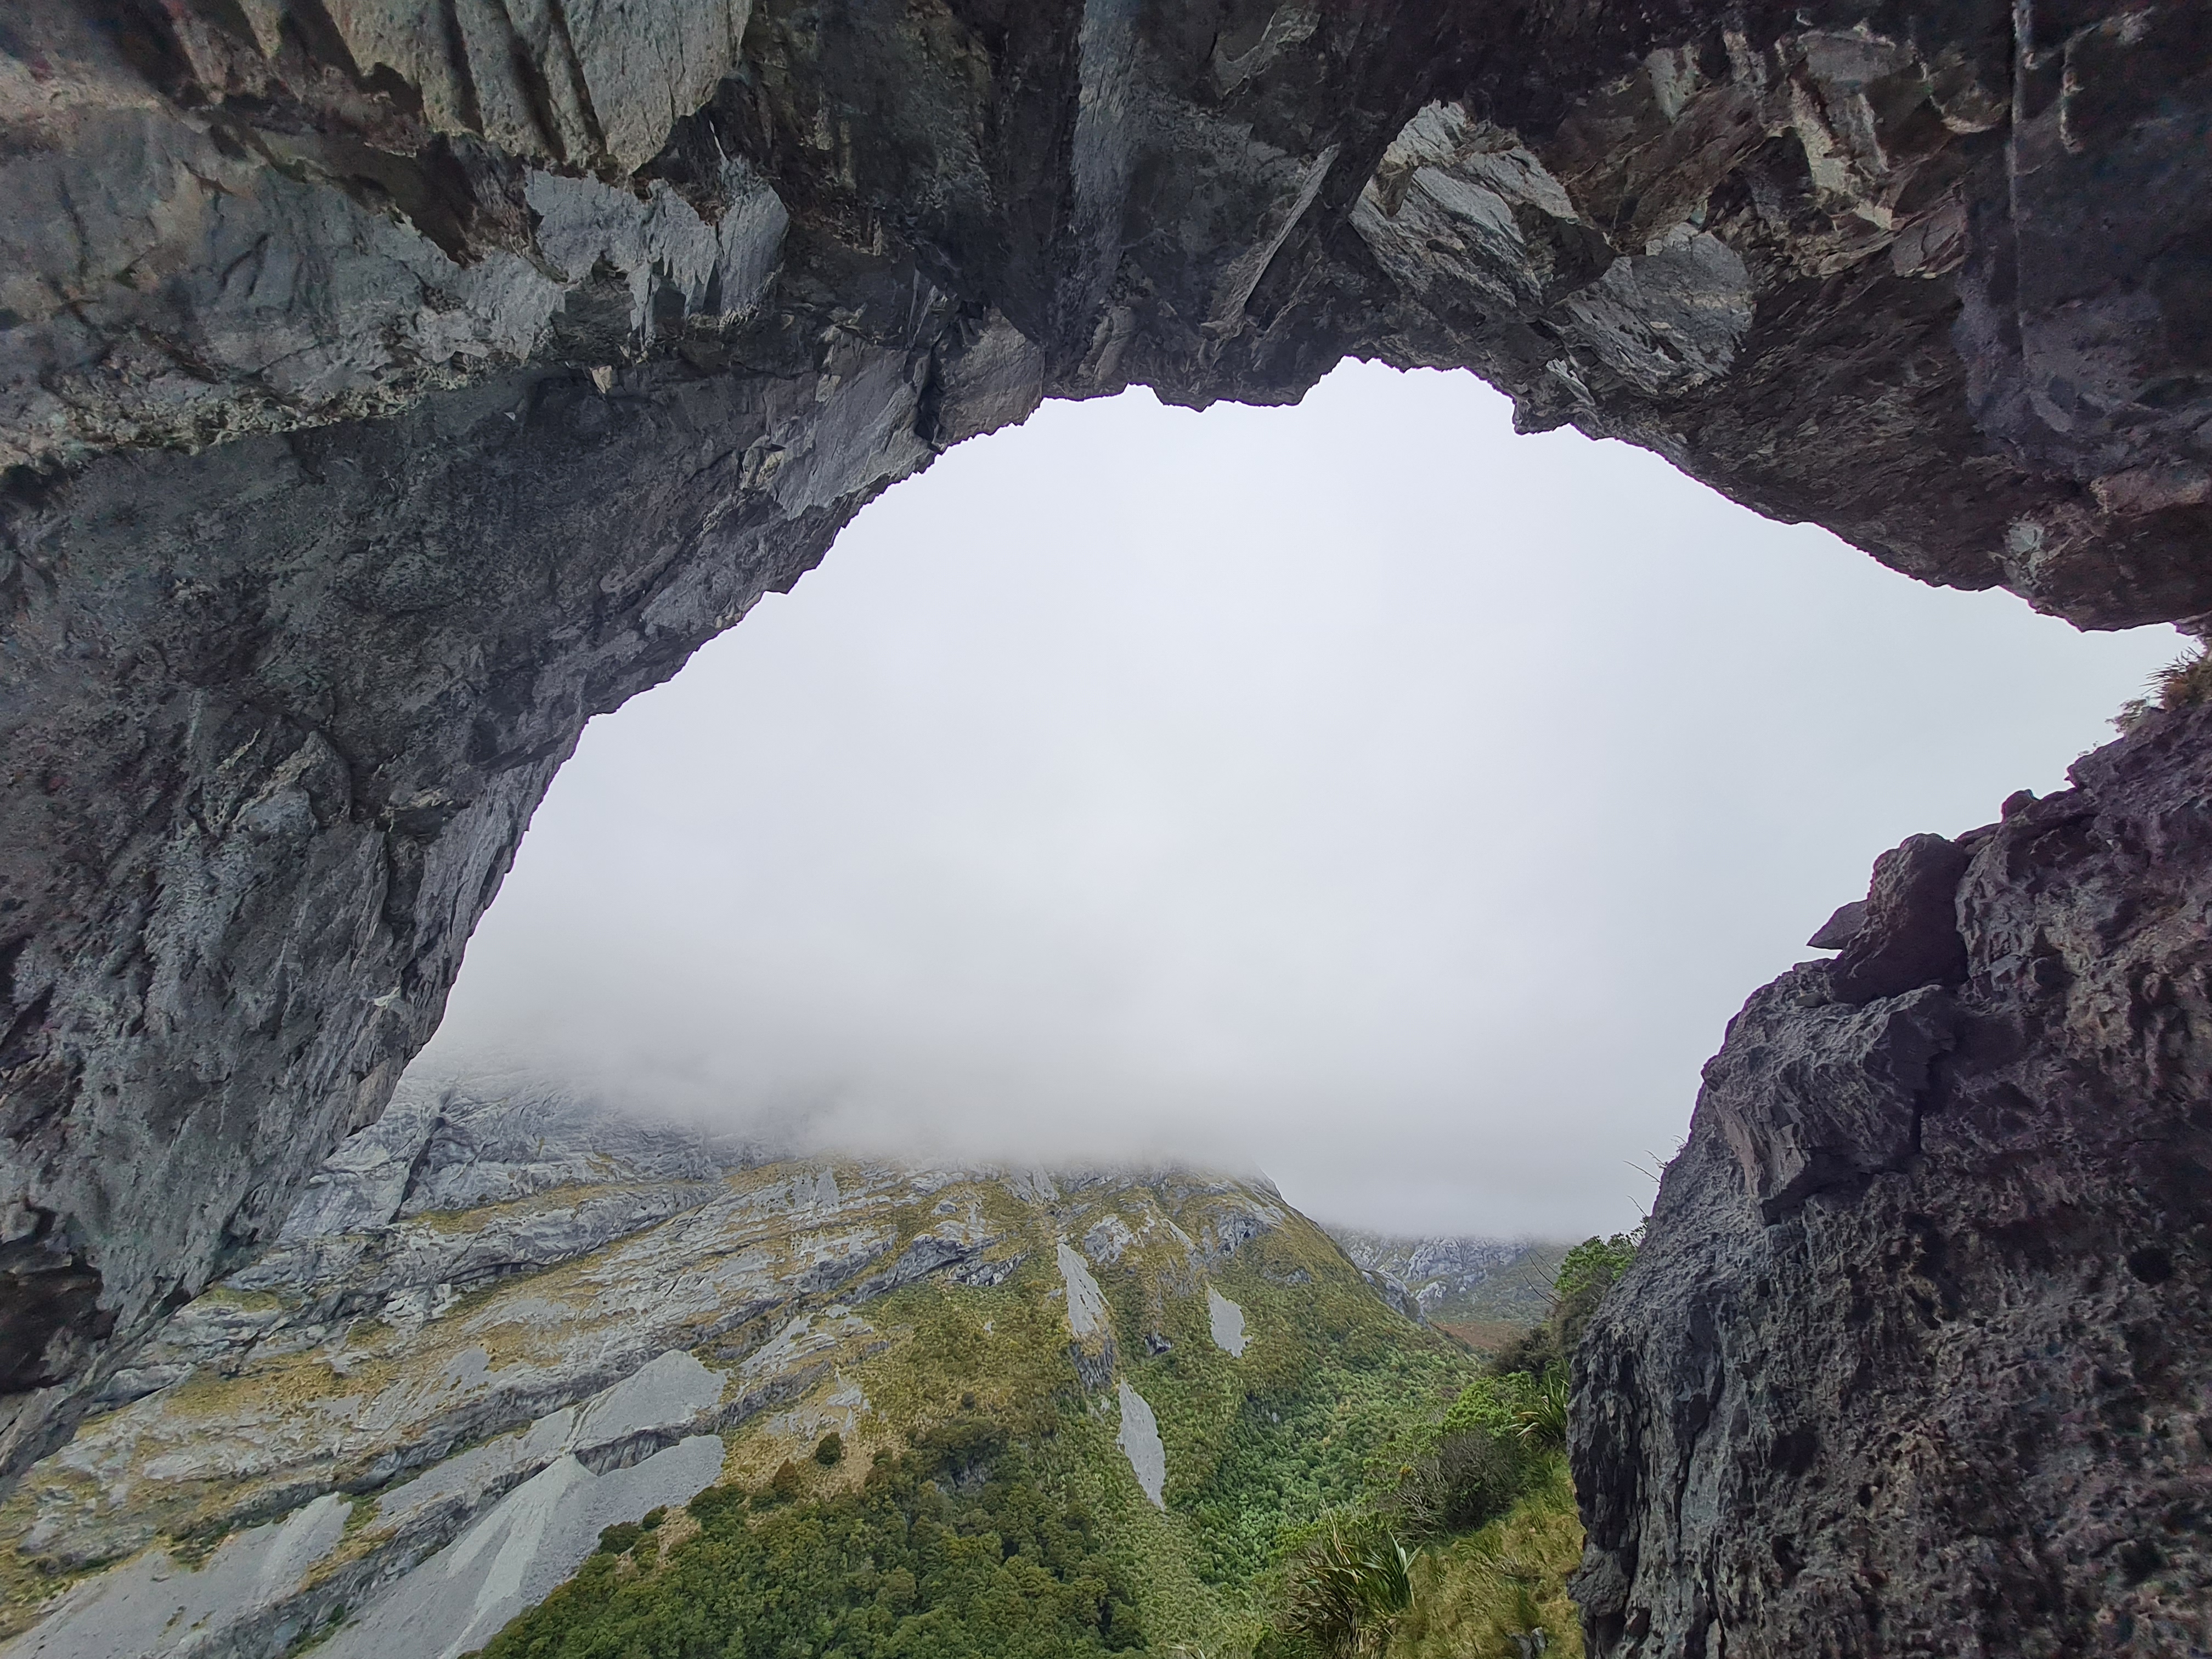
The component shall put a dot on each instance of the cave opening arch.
(386, 394)
(1140, 779)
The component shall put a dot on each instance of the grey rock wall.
(388, 388)
(1917, 1356)
(281, 712)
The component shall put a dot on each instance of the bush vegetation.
(1587, 1274)
(1488, 1504)
(1471, 1477)
(952, 1551)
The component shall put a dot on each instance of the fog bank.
(1357, 790)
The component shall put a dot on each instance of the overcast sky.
(1357, 790)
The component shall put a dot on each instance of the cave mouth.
(1358, 788)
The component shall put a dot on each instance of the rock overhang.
(1806, 255)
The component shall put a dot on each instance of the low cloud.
(1358, 790)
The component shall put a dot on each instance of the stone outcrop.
(390, 387)
(1916, 1357)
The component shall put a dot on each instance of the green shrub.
(1491, 1405)
(708, 1507)
(1472, 1477)
(919, 1563)
(830, 1449)
(783, 1486)
(614, 1539)
(1591, 1269)
(1532, 1353)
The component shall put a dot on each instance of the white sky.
(1358, 790)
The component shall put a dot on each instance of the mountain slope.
(1455, 1281)
(503, 1320)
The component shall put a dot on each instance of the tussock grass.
(1473, 1596)
(1346, 1591)
(2185, 681)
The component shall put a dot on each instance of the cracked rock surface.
(1916, 1358)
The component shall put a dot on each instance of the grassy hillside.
(980, 1503)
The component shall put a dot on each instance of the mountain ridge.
(506, 1318)
(1452, 1279)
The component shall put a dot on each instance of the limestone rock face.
(1916, 1358)
(388, 388)
(1909, 934)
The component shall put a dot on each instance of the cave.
(391, 387)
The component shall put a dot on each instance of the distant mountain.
(1461, 1281)
(506, 1327)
